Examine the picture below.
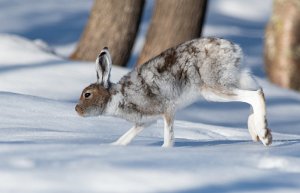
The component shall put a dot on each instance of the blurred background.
(137, 30)
(81, 28)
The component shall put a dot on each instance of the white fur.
(256, 121)
(168, 136)
(129, 135)
(251, 126)
(247, 82)
(103, 67)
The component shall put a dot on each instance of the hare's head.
(94, 98)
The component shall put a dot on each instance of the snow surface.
(46, 147)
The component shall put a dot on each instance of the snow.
(46, 147)
(255, 10)
(58, 22)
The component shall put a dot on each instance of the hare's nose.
(78, 109)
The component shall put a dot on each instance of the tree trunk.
(173, 22)
(282, 44)
(114, 24)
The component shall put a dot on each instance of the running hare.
(208, 67)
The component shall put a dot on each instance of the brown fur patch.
(182, 76)
(125, 83)
(192, 50)
(100, 97)
(211, 40)
(206, 51)
(215, 41)
(170, 57)
(130, 107)
(168, 118)
(148, 91)
(133, 108)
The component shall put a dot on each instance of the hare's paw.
(264, 136)
(267, 138)
(264, 133)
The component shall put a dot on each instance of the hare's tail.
(246, 81)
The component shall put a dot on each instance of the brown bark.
(173, 22)
(112, 23)
(282, 44)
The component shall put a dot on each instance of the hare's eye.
(87, 95)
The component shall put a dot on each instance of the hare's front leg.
(168, 130)
(129, 135)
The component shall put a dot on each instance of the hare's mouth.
(89, 112)
(79, 110)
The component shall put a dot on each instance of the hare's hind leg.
(251, 126)
(257, 123)
(130, 134)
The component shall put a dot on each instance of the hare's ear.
(103, 67)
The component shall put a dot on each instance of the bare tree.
(173, 22)
(114, 24)
(282, 44)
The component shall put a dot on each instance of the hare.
(207, 67)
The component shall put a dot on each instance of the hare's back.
(204, 61)
(219, 62)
